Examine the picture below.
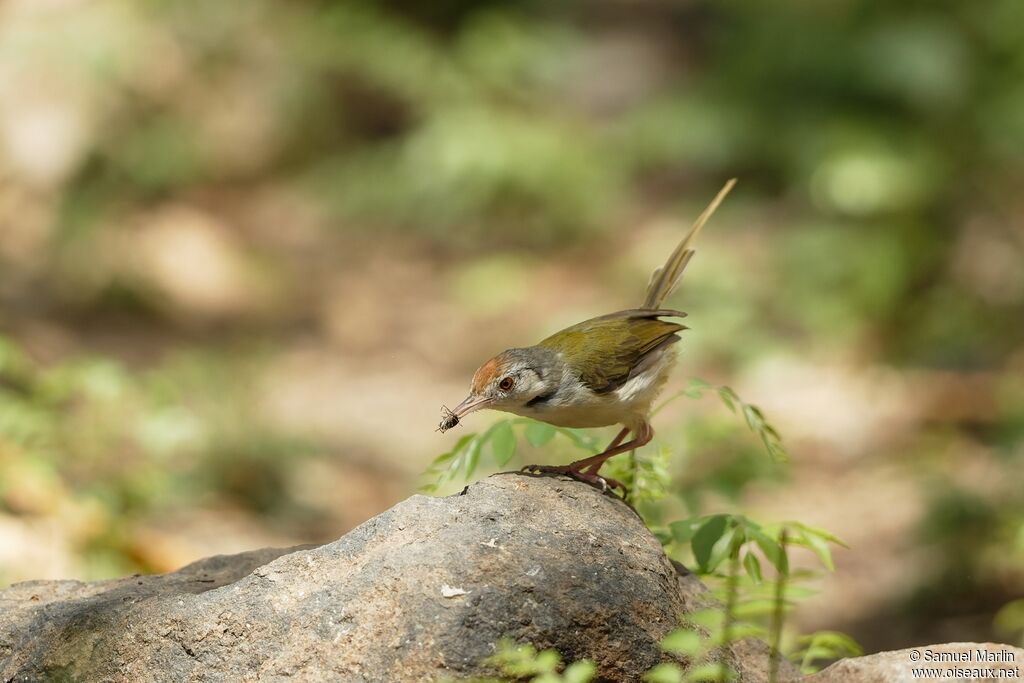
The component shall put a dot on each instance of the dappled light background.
(248, 249)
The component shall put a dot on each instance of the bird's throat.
(543, 399)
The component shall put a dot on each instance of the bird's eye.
(506, 383)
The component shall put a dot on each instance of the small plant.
(500, 443)
(753, 416)
(523, 663)
(1009, 621)
(824, 646)
(715, 538)
(88, 438)
(750, 605)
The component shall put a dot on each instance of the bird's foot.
(592, 478)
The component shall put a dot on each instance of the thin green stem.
(778, 614)
(731, 597)
(669, 400)
(806, 661)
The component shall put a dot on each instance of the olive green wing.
(607, 351)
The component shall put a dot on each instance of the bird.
(603, 371)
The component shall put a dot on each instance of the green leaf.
(741, 630)
(822, 533)
(753, 417)
(539, 433)
(547, 661)
(459, 445)
(663, 535)
(708, 672)
(579, 672)
(835, 643)
(819, 546)
(1010, 618)
(759, 608)
(773, 552)
(441, 459)
(710, 619)
(723, 549)
(824, 645)
(581, 439)
(447, 465)
(683, 530)
(503, 443)
(696, 387)
(706, 537)
(682, 641)
(667, 672)
(774, 448)
(472, 456)
(729, 398)
(753, 567)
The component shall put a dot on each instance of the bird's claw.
(605, 484)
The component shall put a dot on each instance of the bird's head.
(509, 381)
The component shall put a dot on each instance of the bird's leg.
(618, 438)
(585, 470)
(615, 441)
(642, 435)
(582, 465)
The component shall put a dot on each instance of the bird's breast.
(575, 405)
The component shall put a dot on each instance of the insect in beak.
(452, 417)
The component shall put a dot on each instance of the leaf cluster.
(524, 663)
(752, 415)
(716, 538)
(824, 646)
(499, 444)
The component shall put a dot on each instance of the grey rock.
(419, 593)
(422, 592)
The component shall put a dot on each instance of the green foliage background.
(248, 249)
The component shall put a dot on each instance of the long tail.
(664, 280)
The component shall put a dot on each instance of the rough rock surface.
(419, 593)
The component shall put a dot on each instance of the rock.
(421, 592)
(952, 659)
(418, 593)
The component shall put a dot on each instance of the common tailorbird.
(603, 371)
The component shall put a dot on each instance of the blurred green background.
(247, 250)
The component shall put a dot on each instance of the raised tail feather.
(664, 280)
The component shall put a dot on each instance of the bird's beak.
(470, 404)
